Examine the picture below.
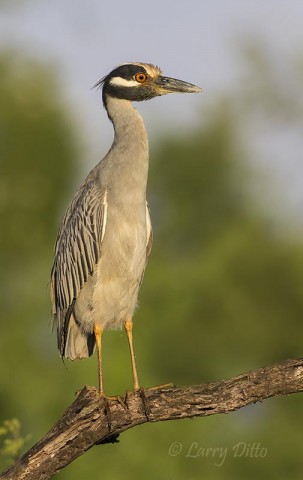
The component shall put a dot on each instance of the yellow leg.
(129, 333)
(98, 334)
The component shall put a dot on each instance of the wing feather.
(77, 250)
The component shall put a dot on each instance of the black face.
(140, 84)
(127, 72)
(137, 82)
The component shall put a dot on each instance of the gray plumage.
(105, 237)
(108, 213)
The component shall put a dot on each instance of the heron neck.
(128, 124)
(128, 156)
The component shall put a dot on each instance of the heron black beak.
(166, 85)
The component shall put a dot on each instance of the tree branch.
(85, 424)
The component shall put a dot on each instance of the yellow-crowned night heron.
(105, 237)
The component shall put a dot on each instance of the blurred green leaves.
(36, 157)
(12, 442)
(222, 293)
(37, 161)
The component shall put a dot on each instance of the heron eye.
(141, 77)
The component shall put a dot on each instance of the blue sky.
(195, 40)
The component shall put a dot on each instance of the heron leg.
(129, 333)
(98, 335)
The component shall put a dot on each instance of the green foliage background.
(222, 293)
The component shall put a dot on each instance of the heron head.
(141, 81)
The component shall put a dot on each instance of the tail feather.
(78, 344)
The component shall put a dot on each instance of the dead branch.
(85, 424)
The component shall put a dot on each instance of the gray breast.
(111, 295)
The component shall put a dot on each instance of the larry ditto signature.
(219, 454)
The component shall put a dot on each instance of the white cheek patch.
(122, 82)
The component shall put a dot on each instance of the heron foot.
(104, 402)
(145, 402)
(121, 401)
(106, 406)
(141, 392)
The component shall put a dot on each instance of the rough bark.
(85, 423)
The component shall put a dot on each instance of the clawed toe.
(145, 402)
(106, 407)
(120, 400)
